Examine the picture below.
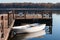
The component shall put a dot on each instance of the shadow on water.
(30, 21)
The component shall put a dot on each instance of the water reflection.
(49, 27)
(30, 35)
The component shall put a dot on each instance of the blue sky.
(33, 1)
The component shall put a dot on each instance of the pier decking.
(7, 31)
(4, 29)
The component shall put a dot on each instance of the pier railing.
(34, 16)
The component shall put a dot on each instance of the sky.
(32, 1)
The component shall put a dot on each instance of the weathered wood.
(7, 32)
(5, 29)
(32, 16)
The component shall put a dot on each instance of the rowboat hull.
(30, 29)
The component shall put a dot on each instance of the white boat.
(30, 28)
(20, 27)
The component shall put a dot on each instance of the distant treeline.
(29, 5)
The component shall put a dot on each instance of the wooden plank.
(7, 35)
(7, 31)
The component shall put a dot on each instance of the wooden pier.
(7, 22)
(9, 14)
(4, 29)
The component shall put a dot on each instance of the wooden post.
(42, 15)
(25, 14)
(8, 20)
(2, 31)
(13, 13)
